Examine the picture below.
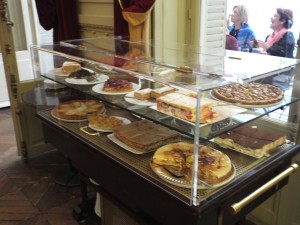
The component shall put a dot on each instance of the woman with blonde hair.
(240, 28)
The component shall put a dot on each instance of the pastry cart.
(133, 192)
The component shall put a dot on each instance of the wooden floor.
(28, 193)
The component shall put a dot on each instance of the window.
(259, 16)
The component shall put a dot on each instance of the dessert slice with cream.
(143, 94)
(251, 140)
(158, 92)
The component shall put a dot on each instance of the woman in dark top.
(231, 43)
(282, 41)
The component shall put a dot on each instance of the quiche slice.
(214, 166)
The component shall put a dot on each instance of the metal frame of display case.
(97, 158)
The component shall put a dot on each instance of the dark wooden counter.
(145, 196)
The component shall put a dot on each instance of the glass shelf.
(185, 68)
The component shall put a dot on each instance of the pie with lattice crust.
(249, 93)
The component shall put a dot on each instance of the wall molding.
(95, 27)
(96, 1)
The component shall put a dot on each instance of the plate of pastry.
(66, 68)
(106, 123)
(89, 80)
(248, 95)
(143, 136)
(173, 163)
(184, 108)
(252, 140)
(134, 99)
(115, 140)
(115, 86)
(77, 110)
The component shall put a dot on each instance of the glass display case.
(199, 97)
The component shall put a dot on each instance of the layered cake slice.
(145, 135)
(158, 92)
(251, 140)
(185, 107)
(143, 94)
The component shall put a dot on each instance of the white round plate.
(66, 120)
(180, 182)
(99, 89)
(223, 112)
(131, 99)
(104, 69)
(57, 72)
(98, 79)
(113, 138)
(52, 85)
(125, 121)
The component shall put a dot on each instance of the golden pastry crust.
(105, 122)
(77, 109)
(249, 93)
(69, 67)
(214, 166)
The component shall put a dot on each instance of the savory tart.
(214, 166)
(251, 140)
(77, 109)
(249, 93)
(117, 85)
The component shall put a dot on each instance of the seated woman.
(282, 41)
(240, 28)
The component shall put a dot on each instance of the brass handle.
(84, 129)
(236, 207)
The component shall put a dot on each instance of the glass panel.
(187, 73)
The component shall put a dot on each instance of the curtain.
(61, 16)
